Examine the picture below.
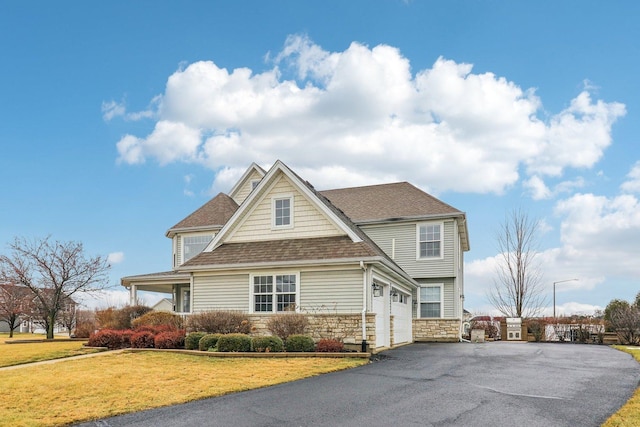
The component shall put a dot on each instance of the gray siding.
(338, 291)
(448, 290)
(225, 292)
(405, 249)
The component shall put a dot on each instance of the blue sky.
(119, 119)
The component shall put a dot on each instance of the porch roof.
(158, 282)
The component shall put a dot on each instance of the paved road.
(491, 384)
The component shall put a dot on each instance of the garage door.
(401, 312)
(380, 306)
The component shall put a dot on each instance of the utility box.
(514, 328)
(477, 335)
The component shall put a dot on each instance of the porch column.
(133, 295)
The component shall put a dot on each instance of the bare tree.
(14, 302)
(53, 272)
(518, 288)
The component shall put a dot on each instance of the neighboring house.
(21, 300)
(383, 263)
(164, 304)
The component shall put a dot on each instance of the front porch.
(178, 285)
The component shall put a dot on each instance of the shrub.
(208, 342)
(84, 329)
(171, 339)
(192, 340)
(297, 343)
(158, 319)
(234, 342)
(537, 329)
(142, 339)
(267, 344)
(110, 338)
(219, 322)
(329, 346)
(112, 318)
(283, 325)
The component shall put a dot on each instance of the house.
(21, 302)
(380, 264)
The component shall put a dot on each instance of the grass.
(111, 384)
(629, 414)
(17, 354)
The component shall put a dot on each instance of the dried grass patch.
(629, 414)
(17, 354)
(97, 387)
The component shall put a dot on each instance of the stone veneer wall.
(436, 330)
(347, 327)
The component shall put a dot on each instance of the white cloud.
(112, 109)
(365, 117)
(115, 257)
(537, 188)
(632, 185)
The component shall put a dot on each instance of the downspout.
(364, 307)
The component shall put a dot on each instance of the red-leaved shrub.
(171, 339)
(329, 346)
(109, 338)
(142, 339)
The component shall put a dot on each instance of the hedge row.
(144, 337)
(268, 344)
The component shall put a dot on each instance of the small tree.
(624, 319)
(53, 272)
(518, 288)
(14, 302)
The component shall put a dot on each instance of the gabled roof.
(212, 215)
(384, 202)
(263, 187)
(245, 176)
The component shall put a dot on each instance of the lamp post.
(554, 293)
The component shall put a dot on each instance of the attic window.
(193, 245)
(254, 183)
(282, 209)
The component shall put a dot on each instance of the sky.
(118, 119)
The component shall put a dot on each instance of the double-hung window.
(274, 293)
(429, 241)
(431, 301)
(282, 208)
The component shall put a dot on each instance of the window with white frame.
(282, 212)
(254, 183)
(193, 245)
(429, 240)
(274, 293)
(431, 301)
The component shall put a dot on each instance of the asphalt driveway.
(491, 384)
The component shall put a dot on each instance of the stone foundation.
(436, 330)
(345, 327)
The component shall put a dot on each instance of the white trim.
(183, 245)
(422, 224)
(431, 285)
(274, 302)
(243, 178)
(274, 199)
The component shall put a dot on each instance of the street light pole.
(554, 293)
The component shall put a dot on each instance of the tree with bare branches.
(14, 305)
(53, 272)
(518, 287)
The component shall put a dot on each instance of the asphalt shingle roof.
(216, 212)
(387, 201)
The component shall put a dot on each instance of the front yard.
(70, 391)
(17, 354)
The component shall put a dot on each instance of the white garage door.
(401, 312)
(380, 306)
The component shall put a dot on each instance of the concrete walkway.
(61, 359)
